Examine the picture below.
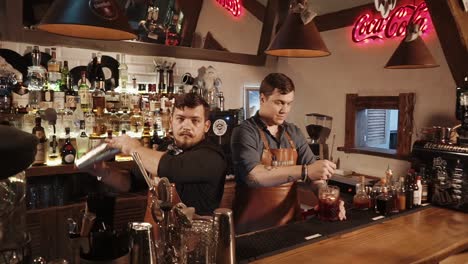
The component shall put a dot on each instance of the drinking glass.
(329, 203)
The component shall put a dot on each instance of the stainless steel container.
(142, 244)
(225, 236)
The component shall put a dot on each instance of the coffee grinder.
(318, 127)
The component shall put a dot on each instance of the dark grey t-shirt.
(247, 145)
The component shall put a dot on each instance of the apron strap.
(291, 142)
(264, 139)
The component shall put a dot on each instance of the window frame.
(404, 103)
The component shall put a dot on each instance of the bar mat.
(273, 241)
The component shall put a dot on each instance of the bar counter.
(424, 236)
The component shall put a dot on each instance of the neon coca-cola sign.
(233, 6)
(371, 27)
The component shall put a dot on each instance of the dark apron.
(266, 207)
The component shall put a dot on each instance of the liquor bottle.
(417, 189)
(221, 101)
(384, 202)
(99, 98)
(156, 140)
(125, 123)
(409, 190)
(41, 150)
(59, 101)
(146, 136)
(65, 77)
(162, 81)
(54, 75)
(77, 116)
(90, 121)
(100, 125)
(460, 90)
(114, 122)
(5, 95)
(170, 79)
(83, 92)
(424, 186)
(112, 100)
(136, 121)
(68, 151)
(47, 98)
(99, 78)
(53, 155)
(165, 119)
(82, 140)
(123, 74)
(401, 196)
(70, 96)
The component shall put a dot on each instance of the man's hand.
(321, 170)
(125, 143)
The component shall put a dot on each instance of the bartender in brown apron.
(265, 207)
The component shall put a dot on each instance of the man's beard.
(185, 142)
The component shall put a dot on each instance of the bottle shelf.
(45, 170)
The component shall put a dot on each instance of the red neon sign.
(233, 6)
(368, 27)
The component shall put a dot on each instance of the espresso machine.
(318, 127)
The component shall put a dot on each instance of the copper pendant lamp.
(90, 19)
(412, 53)
(297, 39)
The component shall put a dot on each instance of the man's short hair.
(276, 81)
(192, 100)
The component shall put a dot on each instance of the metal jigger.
(226, 244)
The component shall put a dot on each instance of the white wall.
(237, 34)
(322, 85)
(233, 76)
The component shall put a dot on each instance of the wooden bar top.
(426, 236)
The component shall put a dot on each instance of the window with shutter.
(376, 126)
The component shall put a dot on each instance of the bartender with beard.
(269, 156)
(195, 166)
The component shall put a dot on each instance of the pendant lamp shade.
(90, 19)
(411, 55)
(294, 39)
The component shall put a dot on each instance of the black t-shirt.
(199, 174)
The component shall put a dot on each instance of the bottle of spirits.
(65, 77)
(90, 121)
(5, 95)
(424, 185)
(384, 202)
(114, 122)
(41, 149)
(99, 98)
(156, 140)
(47, 98)
(100, 127)
(125, 123)
(136, 121)
(123, 74)
(409, 190)
(83, 92)
(53, 67)
(221, 101)
(70, 97)
(99, 78)
(417, 192)
(68, 151)
(401, 196)
(82, 141)
(146, 136)
(53, 155)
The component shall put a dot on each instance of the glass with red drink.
(329, 203)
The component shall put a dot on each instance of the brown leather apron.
(266, 207)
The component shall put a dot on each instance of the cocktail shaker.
(142, 244)
(225, 236)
